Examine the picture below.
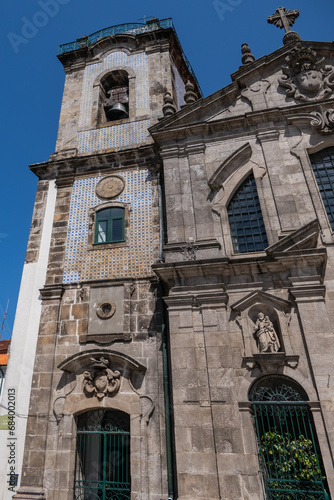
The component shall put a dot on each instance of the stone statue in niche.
(267, 339)
(306, 78)
(101, 380)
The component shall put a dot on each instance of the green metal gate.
(102, 467)
(289, 453)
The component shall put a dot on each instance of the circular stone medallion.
(110, 187)
(106, 309)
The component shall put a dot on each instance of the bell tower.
(95, 324)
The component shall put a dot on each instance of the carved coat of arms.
(307, 78)
(101, 380)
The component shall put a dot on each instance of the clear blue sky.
(33, 78)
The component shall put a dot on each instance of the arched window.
(289, 453)
(109, 225)
(114, 103)
(323, 168)
(245, 218)
(102, 462)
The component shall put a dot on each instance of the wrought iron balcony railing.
(130, 28)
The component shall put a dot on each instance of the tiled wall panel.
(134, 260)
(120, 135)
(117, 136)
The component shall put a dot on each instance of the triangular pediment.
(264, 85)
(304, 238)
(257, 297)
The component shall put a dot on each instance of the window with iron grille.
(245, 218)
(109, 225)
(323, 168)
(289, 454)
(102, 464)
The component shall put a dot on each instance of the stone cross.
(283, 18)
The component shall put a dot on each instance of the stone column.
(196, 458)
(318, 335)
(40, 413)
(59, 231)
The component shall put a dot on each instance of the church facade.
(183, 317)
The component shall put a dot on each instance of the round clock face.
(110, 187)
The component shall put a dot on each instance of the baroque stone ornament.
(323, 120)
(101, 381)
(110, 187)
(168, 108)
(306, 78)
(189, 96)
(247, 56)
(189, 251)
(267, 338)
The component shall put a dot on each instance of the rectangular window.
(109, 225)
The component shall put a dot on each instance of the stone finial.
(284, 18)
(247, 56)
(168, 108)
(189, 96)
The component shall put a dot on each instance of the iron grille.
(102, 469)
(245, 217)
(288, 449)
(323, 168)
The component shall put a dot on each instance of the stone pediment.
(304, 238)
(261, 297)
(269, 84)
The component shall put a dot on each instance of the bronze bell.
(117, 112)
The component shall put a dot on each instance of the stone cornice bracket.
(230, 165)
(196, 300)
(30, 493)
(65, 181)
(307, 288)
(52, 292)
(177, 152)
(271, 362)
(268, 135)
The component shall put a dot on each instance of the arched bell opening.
(114, 102)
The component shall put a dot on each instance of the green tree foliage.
(288, 458)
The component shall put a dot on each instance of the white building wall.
(22, 355)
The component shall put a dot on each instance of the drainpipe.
(165, 365)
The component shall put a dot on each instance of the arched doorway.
(289, 454)
(102, 463)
